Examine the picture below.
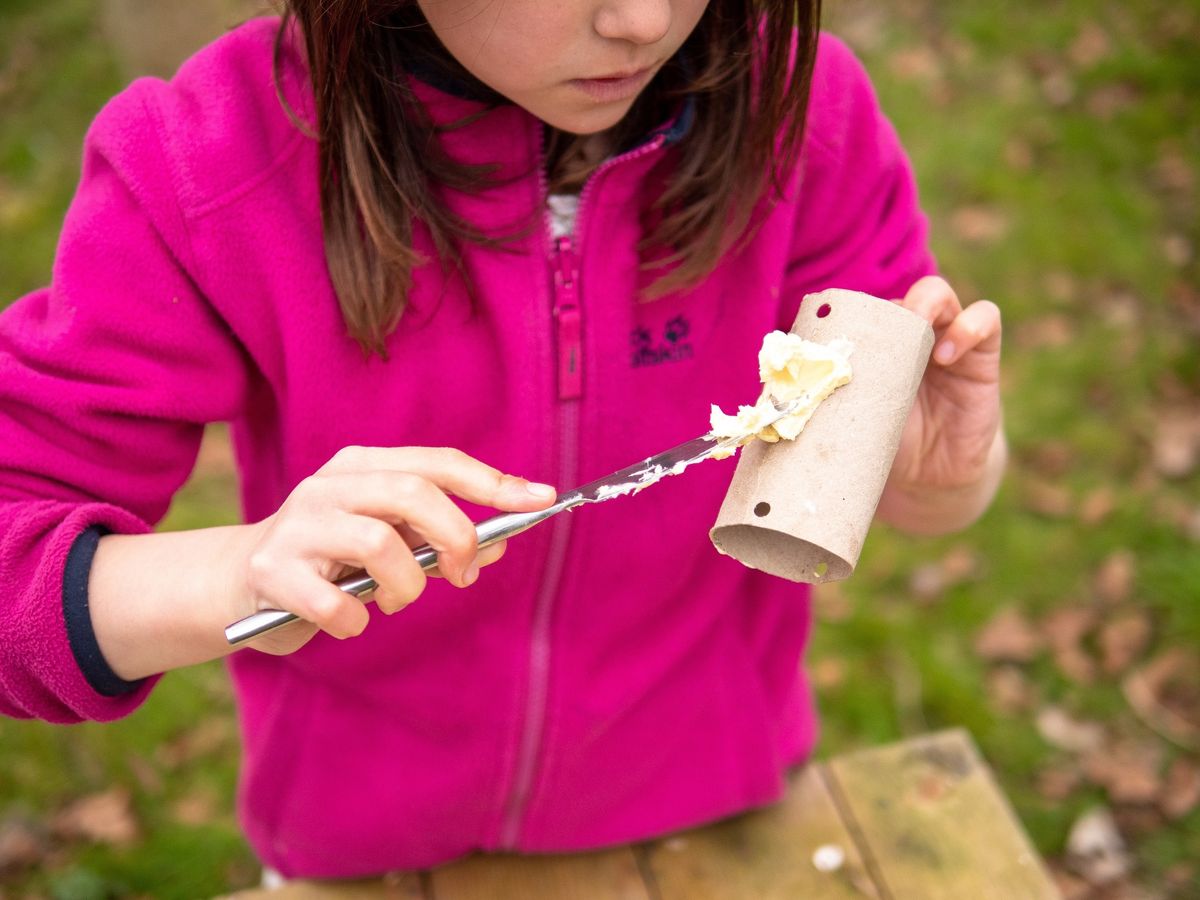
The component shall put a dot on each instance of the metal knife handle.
(358, 583)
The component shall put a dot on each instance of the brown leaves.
(1114, 579)
(103, 818)
(1122, 640)
(22, 845)
(1176, 447)
(1065, 629)
(1008, 637)
(1129, 771)
(979, 224)
(1165, 695)
(1181, 790)
(930, 581)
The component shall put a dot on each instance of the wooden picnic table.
(920, 819)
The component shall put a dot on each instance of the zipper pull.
(568, 321)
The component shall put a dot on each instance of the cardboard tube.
(801, 509)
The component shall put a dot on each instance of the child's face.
(575, 64)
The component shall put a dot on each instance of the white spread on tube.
(790, 368)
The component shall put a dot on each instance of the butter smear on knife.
(790, 368)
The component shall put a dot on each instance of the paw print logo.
(677, 329)
(641, 338)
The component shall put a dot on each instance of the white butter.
(790, 368)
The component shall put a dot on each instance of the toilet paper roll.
(801, 509)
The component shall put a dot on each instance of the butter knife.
(629, 480)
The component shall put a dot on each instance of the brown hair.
(380, 170)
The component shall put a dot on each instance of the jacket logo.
(673, 347)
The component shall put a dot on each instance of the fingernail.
(471, 575)
(945, 351)
(542, 491)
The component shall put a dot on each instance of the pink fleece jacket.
(612, 678)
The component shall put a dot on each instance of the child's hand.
(951, 452)
(364, 509)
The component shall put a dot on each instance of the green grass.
(1085, 162)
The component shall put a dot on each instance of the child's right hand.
(366, 508)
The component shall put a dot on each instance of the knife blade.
(628, 480)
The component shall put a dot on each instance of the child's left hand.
(955, 421)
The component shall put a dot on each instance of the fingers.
(976, 328)
(367, 508)
(453, 471)
(400, 498)
(307, 594)
(957, 330)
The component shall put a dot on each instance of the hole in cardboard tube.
(823, 310)
(761, 509)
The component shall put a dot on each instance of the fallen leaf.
(1056, 782)
(213, 735)
(1090, 46)
(1075, 664)
(1009, 690)
(927, 582)
(1095, 848)
(978, 224)
(1173, 172)
(1130, 772)
(918, 63)
(1070, 885)
(144, 771)
(1191, 525)
(1059, 729)
(1180, 875)
(1046, 499)
(1178, 250)
(1067, 626)
(1165, 695)
(830, 603)
(1123, 639)
(1046, 332)
(1176, 448)
(1018, 154)
(1138, 821)
(1114, 579)
(1181, 789)
(1107, 101)
(1097, 505)
(1065, 629)
(200, 807)
(962, 563)
(828, 673)
(22, 846)
(103, 818)
(1061, 286)
(1058, 88)
(1055, 458)
(1008, 637)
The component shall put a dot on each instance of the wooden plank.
(934, 825)
(399, 886)
(766, 854)
(605, 875)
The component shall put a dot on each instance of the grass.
(1056, 148)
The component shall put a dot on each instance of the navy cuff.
(78, 616)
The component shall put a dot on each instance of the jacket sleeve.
(858, 224)
(107, 378)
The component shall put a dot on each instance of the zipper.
(568, 332)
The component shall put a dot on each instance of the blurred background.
(1057, 147)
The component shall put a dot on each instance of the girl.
(545, 235)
